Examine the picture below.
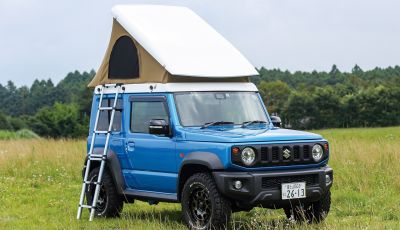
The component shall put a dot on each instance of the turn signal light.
(326, 147)
(235, 150)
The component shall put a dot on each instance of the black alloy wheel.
(200, 204)
(102, 200)
(109, 202)
(203, 207)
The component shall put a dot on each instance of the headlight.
(317, 152)
(248, 156)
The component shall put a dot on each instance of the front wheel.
(203, 206)
(312, 212)
(109, 203)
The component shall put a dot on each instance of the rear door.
(152, 157)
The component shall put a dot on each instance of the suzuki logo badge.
(286, 153)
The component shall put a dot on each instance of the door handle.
(130, 146)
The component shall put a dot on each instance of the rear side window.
(105, 116)
(144, 111)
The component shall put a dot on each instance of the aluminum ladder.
(98, 157)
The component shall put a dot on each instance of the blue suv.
(210, 146)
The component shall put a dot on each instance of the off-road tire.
(314, 212)
(219, 216)
(113, 203)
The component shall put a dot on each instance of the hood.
(236, 135)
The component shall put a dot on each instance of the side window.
(144, 111)
(105, 116)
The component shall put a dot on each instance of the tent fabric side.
(149, 69)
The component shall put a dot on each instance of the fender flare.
(114, 167)
(207, 159)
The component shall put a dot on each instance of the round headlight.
(248, 156)
(317, 152)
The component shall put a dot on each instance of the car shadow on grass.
(160, 216)
(254, 223)
(170, 217)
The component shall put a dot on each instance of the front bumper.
(265, 187)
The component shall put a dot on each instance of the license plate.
(293, 190)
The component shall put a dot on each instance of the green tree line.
(49, 110)
(304, 100)
(315, 100)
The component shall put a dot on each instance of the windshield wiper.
(216, 123)
(247, 123)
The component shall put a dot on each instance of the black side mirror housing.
(158, 127)
(276, 121)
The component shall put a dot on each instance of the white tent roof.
(182, 42)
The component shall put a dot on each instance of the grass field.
(40, 186)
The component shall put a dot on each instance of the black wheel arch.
(112, 164)
(197, 162)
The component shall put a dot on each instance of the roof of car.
(182, 42)
(183, 87)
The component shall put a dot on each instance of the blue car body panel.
(241, 135)
(151, 163)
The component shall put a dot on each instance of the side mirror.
(276, 121)
(158, 127)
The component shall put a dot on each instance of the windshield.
(199, 108)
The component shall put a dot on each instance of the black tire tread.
(115, 203)
(222, 207)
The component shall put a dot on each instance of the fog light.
(237, 184)
(328, 179)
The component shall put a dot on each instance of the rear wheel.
(312, 212)
(109, 203)
(203, 206)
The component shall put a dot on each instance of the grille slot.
(296, 150)
(275, 153)
(306, 151)
(264, 153)
(275, 182)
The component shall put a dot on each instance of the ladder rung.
(86, 206)
(91, 182)
(96, 158)
(106, 108)
(101, 132)
(95, 155)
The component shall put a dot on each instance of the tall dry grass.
(42, 156)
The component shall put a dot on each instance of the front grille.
(269, 155)
(275, 182)
(275, 155)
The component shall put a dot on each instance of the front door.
(152, 156)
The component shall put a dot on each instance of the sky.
(47, 39)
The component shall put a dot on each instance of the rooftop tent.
(160, 44)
